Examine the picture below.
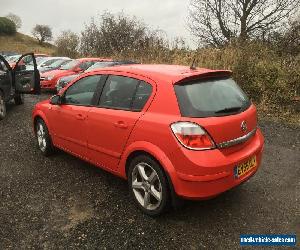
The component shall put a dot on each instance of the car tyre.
(19, 99)
(44, 141)
(2, 106)
(148, 185)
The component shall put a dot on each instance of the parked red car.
(49, 78)
(171, 131)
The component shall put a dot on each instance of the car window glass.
(86, 65)
(26, 63)
(118, 92)
(195, 98)
(142, 95)
(69, 65)
(82, 91)
(2, 66)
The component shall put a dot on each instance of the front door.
(26, 75)
(69, 119)
(5, 79)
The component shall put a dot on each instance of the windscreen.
(99, 65)
(49, 61)
(211, 97)
(69, 65)
(58, 63)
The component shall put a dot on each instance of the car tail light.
(192, 136)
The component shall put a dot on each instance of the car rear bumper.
(215, 174)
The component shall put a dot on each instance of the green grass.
(21, 43)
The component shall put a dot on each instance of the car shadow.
(222, 206)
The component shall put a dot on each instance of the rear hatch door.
(218, 105)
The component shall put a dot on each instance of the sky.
(168, 15)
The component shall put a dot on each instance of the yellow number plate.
(245, 167)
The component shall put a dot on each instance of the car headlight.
(48, 78)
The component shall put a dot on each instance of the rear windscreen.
(211, 97)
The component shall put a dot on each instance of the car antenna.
(194, 64)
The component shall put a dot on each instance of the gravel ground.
(62, 202)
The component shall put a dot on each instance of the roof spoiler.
(210, 74)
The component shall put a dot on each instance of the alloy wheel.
(146, 186)
(41, 137)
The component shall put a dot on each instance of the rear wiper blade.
(228, 110)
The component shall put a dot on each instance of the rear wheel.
(19, 99)
(148, 185)
(2, 106)
(43, 138)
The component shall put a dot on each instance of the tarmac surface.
(61, 202)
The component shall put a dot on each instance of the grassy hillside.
(21, 43)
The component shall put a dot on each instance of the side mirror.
(56, 100)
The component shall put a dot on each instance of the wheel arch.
(153, 151)
(40, 115)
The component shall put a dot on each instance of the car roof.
(169, 73)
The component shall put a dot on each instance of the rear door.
(110, 124)
(26, 75)
(5, 78)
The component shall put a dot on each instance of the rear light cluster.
(192, 136)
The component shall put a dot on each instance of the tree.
(42, 33)
(67, 44)
(7, 27)
(116, 34)
(216, 22)
(287, 41)
(16, 19)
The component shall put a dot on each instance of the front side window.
(118, 92)
(82, 91)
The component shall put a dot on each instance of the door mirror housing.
(56, 100)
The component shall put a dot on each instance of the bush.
(270, 80)
(7, 27)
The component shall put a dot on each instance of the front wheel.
(43, 138)
(148, 185)
(2, 106)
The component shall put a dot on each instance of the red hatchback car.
(171, 131)
(49, 78)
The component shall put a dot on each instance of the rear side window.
(142, 95)
(118, 92)
(82, 91)
(211, 97)
(125, 93)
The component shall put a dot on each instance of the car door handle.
(80, 117)
(120, 124)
